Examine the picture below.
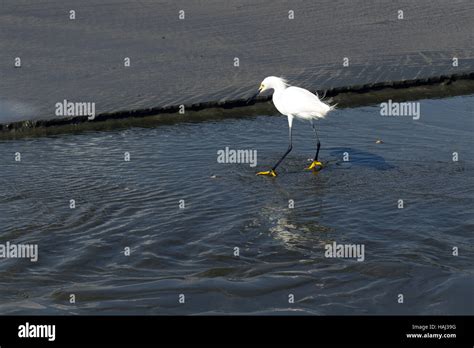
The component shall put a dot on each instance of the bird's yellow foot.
(316, 165)
(269, 173)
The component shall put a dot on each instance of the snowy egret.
(294, 102)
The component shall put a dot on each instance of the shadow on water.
(357, 157)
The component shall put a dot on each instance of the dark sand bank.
(345, 97)
(191, 61)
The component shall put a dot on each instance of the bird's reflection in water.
(291, 214)
(283, 226)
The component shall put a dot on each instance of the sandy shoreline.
(191, 61)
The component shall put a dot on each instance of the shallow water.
(190, 251)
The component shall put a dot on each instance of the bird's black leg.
(318, 145)
(316, 163)
(290, 147)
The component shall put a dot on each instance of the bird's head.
(272, 82)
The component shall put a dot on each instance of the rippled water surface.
(190, 251)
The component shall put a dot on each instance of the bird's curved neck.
(279, 87)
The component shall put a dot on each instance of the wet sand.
(191, 61)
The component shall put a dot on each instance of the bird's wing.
(299, 101)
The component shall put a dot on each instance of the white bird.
(294, 102)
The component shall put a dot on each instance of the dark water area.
(190, 251)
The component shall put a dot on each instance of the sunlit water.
(190, 251)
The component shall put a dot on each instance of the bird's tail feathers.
(326, 101)
(320, 97)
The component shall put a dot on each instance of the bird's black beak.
(253, 98)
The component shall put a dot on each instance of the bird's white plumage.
(295, 101)
(300, 102)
